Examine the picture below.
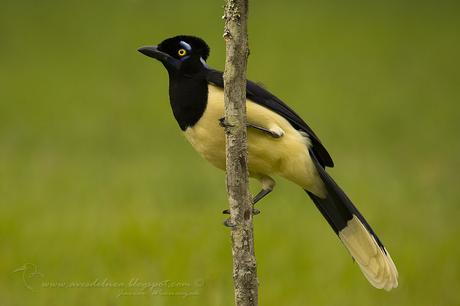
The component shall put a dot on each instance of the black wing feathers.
(263, 97)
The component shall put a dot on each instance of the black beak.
(151, 51)
(166, 59)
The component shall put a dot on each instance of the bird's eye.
(181, 52)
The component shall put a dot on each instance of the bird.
(29, 272)
(280, 143)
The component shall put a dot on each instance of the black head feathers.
(184, 45)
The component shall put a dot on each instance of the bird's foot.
(255, 211)
(229, 222)
(223, 123)
(276, 132)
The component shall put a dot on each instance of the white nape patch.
(185, 45)
(377, 267)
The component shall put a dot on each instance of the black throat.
(188, 95)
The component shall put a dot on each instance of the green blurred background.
(97, 183)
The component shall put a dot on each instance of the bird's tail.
(355, 233)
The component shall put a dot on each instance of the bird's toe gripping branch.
(267, 186)
(255, 211)
(224, 123)
(229, 222)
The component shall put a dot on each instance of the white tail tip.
(375, 262)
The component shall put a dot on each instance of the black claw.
(223, 123)
(255, 211)
(229, 223)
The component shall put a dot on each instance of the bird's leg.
(267, 186)
(256, 199)
(261, 195)
(275, 133)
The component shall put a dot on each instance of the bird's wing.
(264, 98)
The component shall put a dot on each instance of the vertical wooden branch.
(244, 260)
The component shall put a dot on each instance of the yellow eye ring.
(181, 52)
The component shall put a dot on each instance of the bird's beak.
(166, 59)
(152, 51)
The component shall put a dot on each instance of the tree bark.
(244, 260)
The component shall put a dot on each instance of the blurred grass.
(96, 181)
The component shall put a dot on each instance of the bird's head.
(183, 54)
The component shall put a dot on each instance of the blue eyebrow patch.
(185, 45)
(184, 58)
